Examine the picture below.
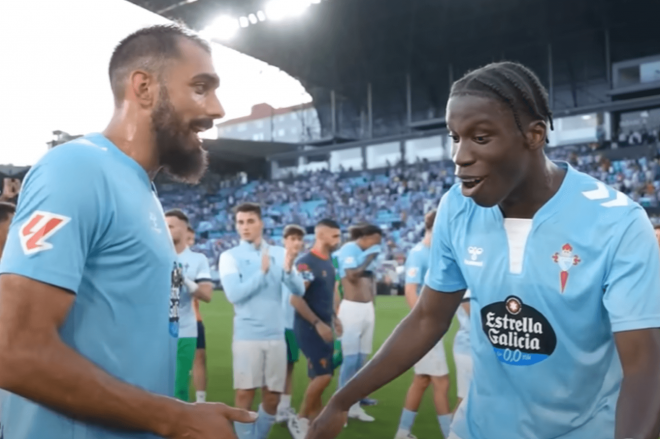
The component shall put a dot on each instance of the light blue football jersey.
(462, 339)
(545, 361)
(88, 221)
(351, 256)
(417, 264)
(257, 297)
(194, 266)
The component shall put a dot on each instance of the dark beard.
(179, 152)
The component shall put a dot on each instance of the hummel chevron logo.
(601, 193)
(597, 194)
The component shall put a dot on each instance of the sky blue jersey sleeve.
(414, 268)
(349, 258)
(60, 218)
(203, 270)
(444, 274)
(632, 283)
(235, 287)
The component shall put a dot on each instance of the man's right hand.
(329, 424)
(209, 420)
(325, 332)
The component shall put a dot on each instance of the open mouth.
(471, 183)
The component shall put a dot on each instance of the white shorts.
(463, 373)
(458, 422)
(358, 321)
(259, 364)
(434, 363)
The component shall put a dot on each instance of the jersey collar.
(122, 157)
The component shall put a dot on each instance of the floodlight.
(261, 16)
(243, 21)
(279, 9)
(253, 19)
(222, 28)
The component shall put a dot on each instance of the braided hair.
(511, 83)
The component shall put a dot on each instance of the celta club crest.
(566, 259)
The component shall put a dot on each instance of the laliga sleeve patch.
(520, 335)
(412, 272)
(38, 228)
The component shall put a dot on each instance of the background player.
(199, 364)
(196, 285)
(462, 351)
(583, 270)
(357, 265)
(293, 240)
(432, 369)
(314, 321)
(252, 275)
(89, 282)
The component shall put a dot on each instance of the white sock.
(285, 402)
(201, 396)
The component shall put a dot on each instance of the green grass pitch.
(218, 320)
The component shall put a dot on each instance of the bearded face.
(179, 146)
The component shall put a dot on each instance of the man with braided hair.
(563, 273)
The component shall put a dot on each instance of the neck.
(180, 247)
(427, 238)
(320, 249)
(257, 241)
(129, 131)
(541, 183)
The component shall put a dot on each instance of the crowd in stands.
(395, 198)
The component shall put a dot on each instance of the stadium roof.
(351, 46)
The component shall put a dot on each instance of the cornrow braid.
(511, 83)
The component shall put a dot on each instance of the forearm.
(54, 375)
(294, 282)
(411, 295)
(409, 342)
(238, 291)
(304, 310)
(204, 292)
(355, 273)
(638, 408)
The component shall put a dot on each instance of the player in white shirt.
(462, 352)
(196, 285)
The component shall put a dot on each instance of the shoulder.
(599, 202)
(86, 154)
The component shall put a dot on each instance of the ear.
(144, 88)
(537, 132)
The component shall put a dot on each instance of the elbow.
(205, 294)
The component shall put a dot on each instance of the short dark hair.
(365, 230)
(293, 229)
(190, 229)
(6, 210)
(148, 49)
(511, 83)
(178, 213)
(429, 219)
(248, 207)
(656, 227)
(327, 222)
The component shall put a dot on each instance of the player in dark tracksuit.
(314, 321)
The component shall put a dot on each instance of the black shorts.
(201, 335)
(318, 352)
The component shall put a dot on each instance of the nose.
(215, 108)
(462, 154)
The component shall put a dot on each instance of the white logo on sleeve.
(412, 272)
(38, 228)
(349, 260)
(154, 222)
(474, 252)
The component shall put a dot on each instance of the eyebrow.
(208, 77)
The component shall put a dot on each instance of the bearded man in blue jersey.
(89, 284)
(563, 272)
